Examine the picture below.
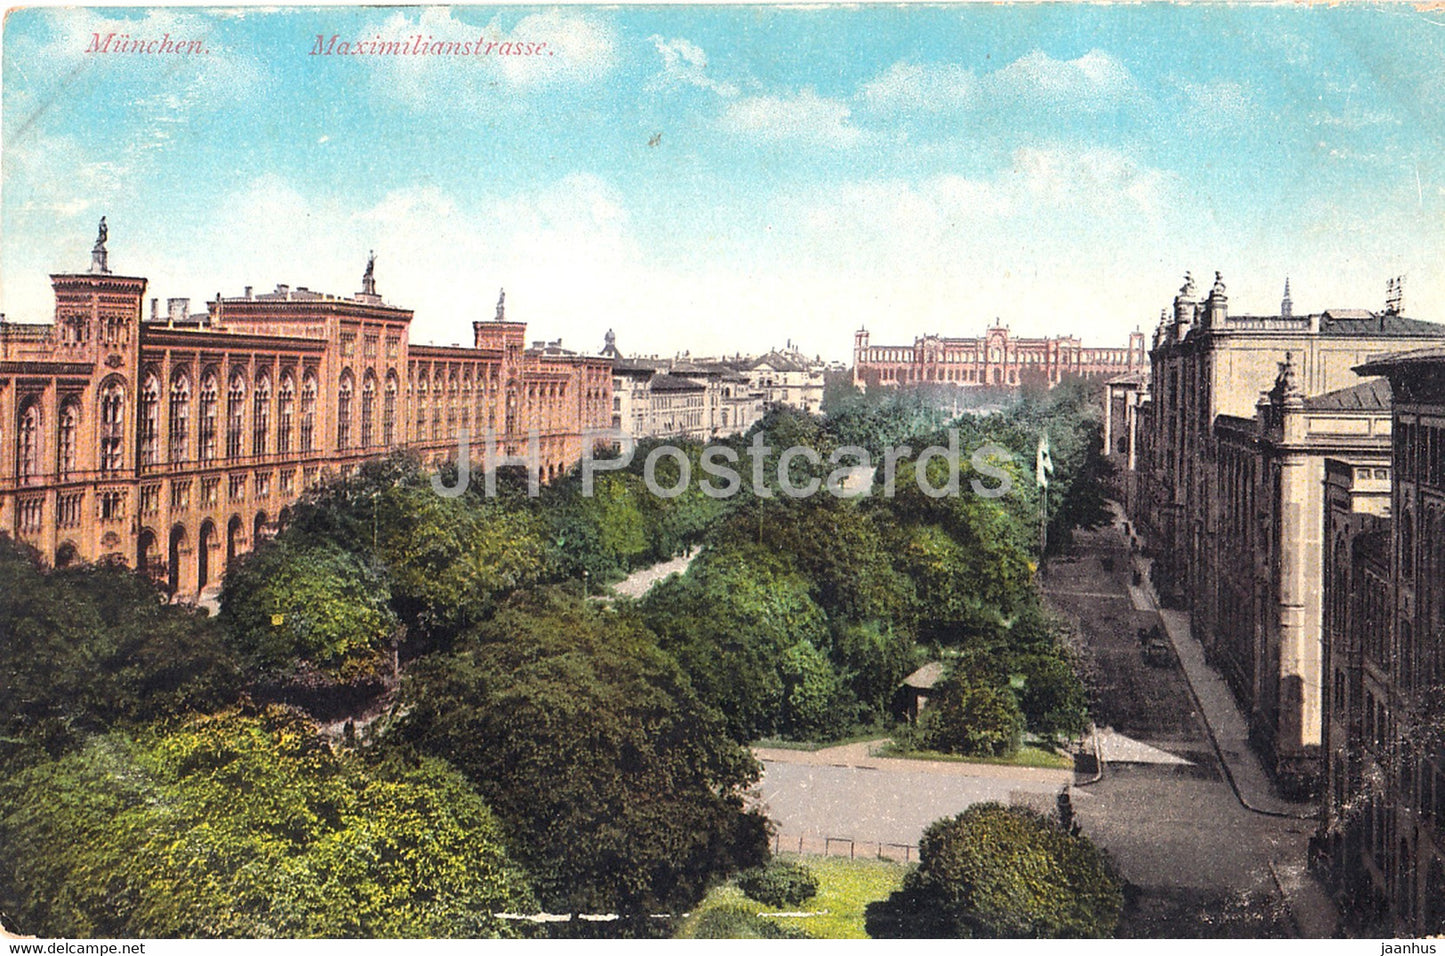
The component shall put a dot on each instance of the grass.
(1028, 756)
(845, 888)
(777, 743)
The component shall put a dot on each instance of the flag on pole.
(1044, 465)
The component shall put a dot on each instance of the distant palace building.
(995, 360)
(174, 443)
(1229, 442)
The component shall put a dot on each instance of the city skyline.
(724, 179)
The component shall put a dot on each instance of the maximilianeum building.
(1383, 813)
(173, 442)
(1240, 416)
(997, 360)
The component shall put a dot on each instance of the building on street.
(172, 443)
(1383, 815)
(1229, 483)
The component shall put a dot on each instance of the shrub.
(779, 883)
(970, 718)
(996, 871)
(739, 922)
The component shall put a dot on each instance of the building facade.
(1258, 621)
(996, 360)
(706, 398)
(1383, 817)
(785, 377)
(173, 443)
(1263, 618)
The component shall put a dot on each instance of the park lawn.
(845, 888)
(1028, 756)
(778, 743)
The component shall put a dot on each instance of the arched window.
(69, 427)
(452, 394)
(368, 409)
(208, 417)
(388, 412)
(285, 410)
(436, 409)
(27, 457)
(112, 427)
(308, 412)
(343, 411)
(150, 420)
(261, 414)
(421, 397)
(180, 415)
(235, 414)
(1407, 544)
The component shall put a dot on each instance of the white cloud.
(685, 63)
(580, 49)
(1090, 179)
(1354, 118)
(1219, 101)
(804, 116)
(1093, 82)
(925, 87)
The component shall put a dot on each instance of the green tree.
(729, 622)
(873, 657)
(87, 649)
(996, 871)
(288, 607)
(240, 825)
(1053, 699)
(966, 716)
(618, 785)
(816, 703)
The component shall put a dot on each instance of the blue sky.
(914, 169)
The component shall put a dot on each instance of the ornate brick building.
(995, 360)
(173, 443)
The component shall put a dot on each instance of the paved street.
(1200, 862)
(842, 792)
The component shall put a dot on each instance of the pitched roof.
(1360, 322)
(779, 362)
(675, 383)
(1373, 395)
(926, 676)
(1384, 362)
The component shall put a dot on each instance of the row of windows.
(1420, 453)
(220, 424)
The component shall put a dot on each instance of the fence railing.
(812, 845)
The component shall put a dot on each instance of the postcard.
(721, 471)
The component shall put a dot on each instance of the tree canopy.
(996, 871)
(248, 825)
(616, 782)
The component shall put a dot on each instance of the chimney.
(248, 292)
(177, 310)
(155, 310)
(282, 289)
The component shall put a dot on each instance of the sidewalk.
(859, 755)
(1217, 705)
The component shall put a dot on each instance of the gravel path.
(639, 583)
